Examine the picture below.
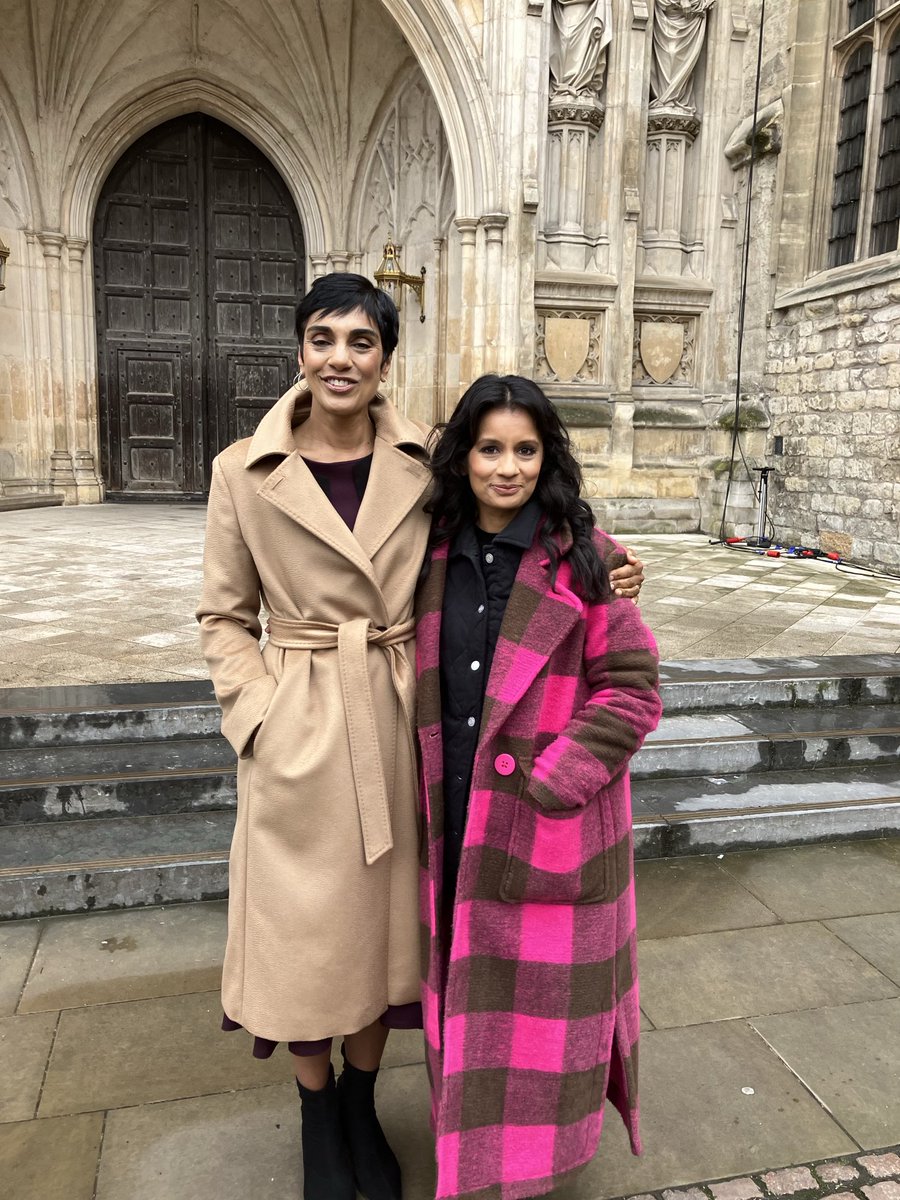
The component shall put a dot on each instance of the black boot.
(375, 1165)
(327, 1171)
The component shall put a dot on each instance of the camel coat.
(322, 921)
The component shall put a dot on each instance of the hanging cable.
(745, 263)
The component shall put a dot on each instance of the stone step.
(141, 779)
(124, 862)
(120, 712)
(770, 739)
(132, 861)
(98, 761)
(728, 684)
(116, 795)
(59, 716)
(715, 813)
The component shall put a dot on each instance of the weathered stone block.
(738, 1189)
(833, 542)
(836, 1172)
(790, 1181)
(889, 1189)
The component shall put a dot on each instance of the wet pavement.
(106, 593)
(771, 1011)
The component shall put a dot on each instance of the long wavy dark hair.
(558, 490)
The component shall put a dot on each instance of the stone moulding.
(585, 414)
(681, 413)
(567, 112)
(672, 120)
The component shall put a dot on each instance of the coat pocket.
(559, 858)
(273, 658)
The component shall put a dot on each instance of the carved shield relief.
(662, 345)
(566, 344)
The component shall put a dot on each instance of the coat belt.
(352, 640)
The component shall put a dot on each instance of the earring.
(298, 378)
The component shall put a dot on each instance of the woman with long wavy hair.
(536, 684)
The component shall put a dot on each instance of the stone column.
(62, 475)
(494, 225)
(670, 133)
(468, 230)
(319, 265)
(572, 129)
(90, 487)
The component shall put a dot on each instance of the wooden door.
(198, 260)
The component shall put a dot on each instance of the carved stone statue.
(679, 27)
(581, 32)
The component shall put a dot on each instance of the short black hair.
(340, 293)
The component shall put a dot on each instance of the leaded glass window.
(859, 11)
(886, 210)
(851, 146)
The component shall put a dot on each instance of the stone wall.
(833, 374)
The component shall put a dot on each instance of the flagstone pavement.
(770, 992)
(106, 593)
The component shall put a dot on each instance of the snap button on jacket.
(322, 922)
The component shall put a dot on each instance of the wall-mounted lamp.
(391, 277)
(4, 255)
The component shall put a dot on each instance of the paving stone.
(247, 1144)
(51, 1160)
(848, 1056)
(106, 957)
(112, 1055)
(24, 1048)
(146, 560)
(789, 1181)
(809, 883)
(880, 1166)
(735, 1189)
(685, 1194)
(747, 972)
(836, 1172)
(715, 1131)
(693, 895)
(887, 1190)
(876, 938)
(18, 942)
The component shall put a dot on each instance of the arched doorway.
(198, 263)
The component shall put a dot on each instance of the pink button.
(504, 764)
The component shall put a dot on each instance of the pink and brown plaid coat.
(531, 1012)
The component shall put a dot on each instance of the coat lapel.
(292, 489)
(429, 611)
(537, 620)
(396, 484)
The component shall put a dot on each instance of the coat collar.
(537, 620)
(399, 477)
(518, 533)
(274, 434)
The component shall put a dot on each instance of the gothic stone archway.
(199, 259)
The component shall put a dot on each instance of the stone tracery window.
(865, 194)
